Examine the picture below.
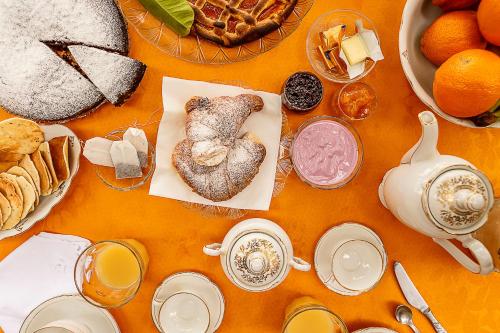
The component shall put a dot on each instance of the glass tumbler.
(305, 315)
(108, 274)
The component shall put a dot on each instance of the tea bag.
(125, 160)
(97, 149)
(138, 139)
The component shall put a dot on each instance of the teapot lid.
(256, 260)
(458, 199)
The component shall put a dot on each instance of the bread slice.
(47, 158)
(43, 172)
(4, 208)
(18, 171)
(60, 157)
(29, 195)
(8, 189)
(27, 164)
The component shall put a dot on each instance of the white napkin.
(372, 46)
(266, 124)
(39, 269)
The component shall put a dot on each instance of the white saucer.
(70, 307)
(194, 283)
(331, 241)
(375, 330)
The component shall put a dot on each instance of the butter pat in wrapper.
(138, 139)
(125, 160)
(97, 149)
(372, 46)
(354, 49)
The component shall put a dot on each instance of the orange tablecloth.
(174, 235)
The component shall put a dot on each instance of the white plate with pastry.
(217, 145)
(39, 172)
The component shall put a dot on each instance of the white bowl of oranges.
(449, 53)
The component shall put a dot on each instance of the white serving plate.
(417, 16)
(48, 202)
(70, 307)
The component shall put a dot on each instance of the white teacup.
(184, 313)
(64, 326)
(357, 265)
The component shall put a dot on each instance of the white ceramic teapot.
(442, 196)
(256, 255)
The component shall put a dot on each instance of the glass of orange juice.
(305, 315)
(108, 274)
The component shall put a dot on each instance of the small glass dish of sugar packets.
(124, 159)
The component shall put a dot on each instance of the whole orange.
(488, 16)
(451, 33)
(468, 83)
(453, 4)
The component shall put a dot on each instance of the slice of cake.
(116, 76)
(35, 83)
(98, 23)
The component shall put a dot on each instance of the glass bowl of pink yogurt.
(326, 152)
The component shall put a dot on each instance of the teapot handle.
(300, 264)
(484, 261)
(213, 250)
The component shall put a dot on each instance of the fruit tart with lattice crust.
(234, 22)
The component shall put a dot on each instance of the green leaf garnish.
(176, 14)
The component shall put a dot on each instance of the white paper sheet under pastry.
(266, 124)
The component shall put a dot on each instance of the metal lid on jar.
(458, 199)
(256, 261)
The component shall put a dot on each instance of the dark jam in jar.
(302, 92)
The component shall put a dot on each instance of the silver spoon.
(404, 316)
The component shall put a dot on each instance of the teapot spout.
(426, 147)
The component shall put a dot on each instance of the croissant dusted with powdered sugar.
(212, 160)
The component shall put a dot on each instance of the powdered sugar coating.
(35, 83)
(222, 115)
(97, 23)
(225, 180)
(116, 76)
(218, 120)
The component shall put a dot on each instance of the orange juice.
(141, 251)
(306, 315)
(118, 267)
(109, 273)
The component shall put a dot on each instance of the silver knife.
(413, 296)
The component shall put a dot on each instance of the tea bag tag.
(97, 149)
(138, 139)
(125, 160)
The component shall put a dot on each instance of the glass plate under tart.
(329, 20)
(199, 50)
(107, 174)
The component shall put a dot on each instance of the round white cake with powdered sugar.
(39, 77)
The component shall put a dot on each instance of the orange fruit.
(468, 83)
(453, 4)
(451, 33)
(488, 16)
